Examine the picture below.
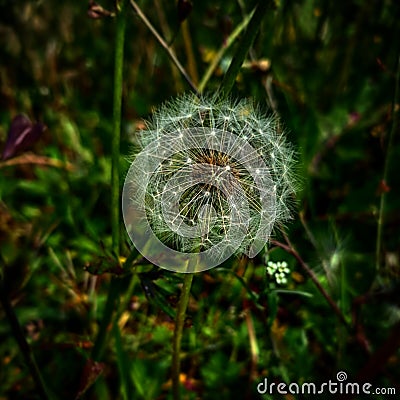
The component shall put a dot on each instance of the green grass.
(332, 79)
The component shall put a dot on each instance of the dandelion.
(212, 178)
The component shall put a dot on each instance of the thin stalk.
(177, 339)
(23, 345)
(113, 291)
(245, 44)
(395, 124)
(109, 308)
(291, 250)
(116, 137)
(254, 348)
(166, 29)
(232, 37)
(164, 44)
(191, 60)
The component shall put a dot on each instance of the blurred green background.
(328, 68)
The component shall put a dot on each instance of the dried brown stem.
(164, 44)
(30, 158)
(291, 250)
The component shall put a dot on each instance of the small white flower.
(279, 271)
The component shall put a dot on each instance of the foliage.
(328, 69)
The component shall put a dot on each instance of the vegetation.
(84, 315)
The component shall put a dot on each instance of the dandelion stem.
(245, 44)
(114, 288)
(395, 124)
(177, 339)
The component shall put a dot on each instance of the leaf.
(123, 364)
(91, 372)
(102, 265)
(96, 11)
(108, 262)
(21, 135)
(156, 295)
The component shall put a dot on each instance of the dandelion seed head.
(211, 180)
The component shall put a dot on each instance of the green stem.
(114, 288)
(245, 44)
(116, 137)
(23, 345)
(395, 124)
(177, 339)
(109, 308)
(222, 50)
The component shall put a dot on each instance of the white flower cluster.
(278, 270)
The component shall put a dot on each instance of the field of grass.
(84, 315)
